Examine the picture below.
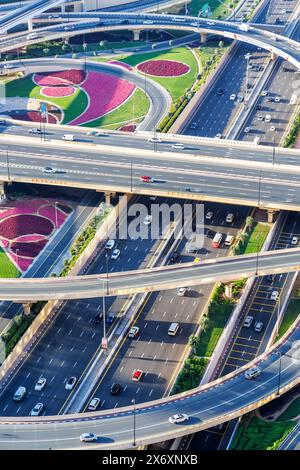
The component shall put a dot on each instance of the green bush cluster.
(169, 120)
(190, 375)
(81, 243)
(261, 435)
(18, 333)
(292, 136)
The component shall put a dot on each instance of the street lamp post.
(56, 221)
(273, 153)
(131, 165)
(259, 187)
(133, 402)
(7, 164)
(279, 372)
(104, 312)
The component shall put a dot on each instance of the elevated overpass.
(148, 280)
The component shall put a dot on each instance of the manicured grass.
(217, 320)
(132, 111)
(72, 105)
(257, 434)
(218, 9)
(7, 268)
(256, 240)
(290, 316)
(176, 86)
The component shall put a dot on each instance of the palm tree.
(249, 222)
(204, 323)
(193, 342)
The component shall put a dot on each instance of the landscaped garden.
(25, 229)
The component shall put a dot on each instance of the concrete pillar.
(273, 56)
(29, 22)
(107, 198)
(228, 290)
(2, 191)
(66, 40)
(27, 308)
(203, 38)
(271, 214)
(136, 35)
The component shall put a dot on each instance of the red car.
(137, 374)
(146, 179)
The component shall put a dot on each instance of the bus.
(217, 240)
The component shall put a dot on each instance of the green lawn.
(72, 105)
(292, 411)
(132, 111)
(176, 86)
(218, 9)
(256, 240)
(216, 323)
(290, 316)
(256, 434)
(7, 268)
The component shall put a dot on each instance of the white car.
(93, 133)
(179, 418)
(40, 384)
(178, 145)
(110, 244)
(264, 93)
(154, 139)
(48, 169)
(218, 136)
(258, 326)
(94, 403)
(277, 99)
(294, 241)
(252, 373)
(36, 410)
(267, 118)
(229, 218)
(272, 128)
(115, 254)
(274, 295)
(35, 131)
(134, 331)
(209, 215)
(247, 129)
(88, 437)
(181, 291)
(232, 97)
(70, 383)
(148, 219)
(260, 117)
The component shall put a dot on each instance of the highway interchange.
(13, 443)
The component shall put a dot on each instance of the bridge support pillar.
(27, 308)
(136, 35)
(271, 214)
(2, 191)
(63, 8)
(228, 290)
(273, 56)
(203, 38)
(29, 23)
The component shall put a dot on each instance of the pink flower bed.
(164, 68)
(71, 77)
(33, 116)
(58, 91)
(23, 224)
(128, 128)
(121, 64)
(106, 93)
(26, 227)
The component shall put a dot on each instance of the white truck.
(68, 137)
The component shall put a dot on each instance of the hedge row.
(292, 136)
(190, 375)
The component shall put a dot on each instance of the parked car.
(209, 215)
(70, 383)
(248, 321)
(270, 278)
(232, 97)
(148, 220)
(116, 254)
(137, 375)
(274, 295)
(264, 93)
(110, 244)
(40, 384)
(258, 326)
(181, 291)
(36, 410)
(229, 218)
(174, 257)
(115, 389)
(294, 241)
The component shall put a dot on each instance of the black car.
(98, 318)
(115, 389)
(270, 278)
(174, 257)
(210, 234)
(220, 92)
(270, 99)
(258, 107)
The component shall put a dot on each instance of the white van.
(19, 394)
(32, 36)
(68, 137)
(173, 329)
